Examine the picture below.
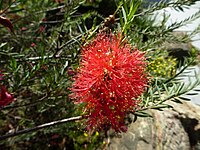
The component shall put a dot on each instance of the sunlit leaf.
(162, 106)
(142, 114)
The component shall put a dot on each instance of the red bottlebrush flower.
(5, 97)
(109, 81)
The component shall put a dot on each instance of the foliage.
(40, 56)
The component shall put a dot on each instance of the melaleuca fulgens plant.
(109, 81)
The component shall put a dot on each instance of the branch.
(3, 137)
(3, 11)
(27, 104)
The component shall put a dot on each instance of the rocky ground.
(171, 129)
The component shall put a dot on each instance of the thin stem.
(28, 104)
(53, 123)
(4, 11)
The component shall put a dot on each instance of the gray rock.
(171, 129)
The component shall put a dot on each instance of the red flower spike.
(109, 81)
(5, 97)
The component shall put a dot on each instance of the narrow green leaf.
(192, 93)
(184, 98)
(166, 89)
(2, 44)
(125, 6)
(124, 15)
(177, 100)
(198, 90)
(180, 8)
(13, 63)
(133, 10)
(142, 114)
(16, 10)
(180, 87)
(1, 4)
(161, 106)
